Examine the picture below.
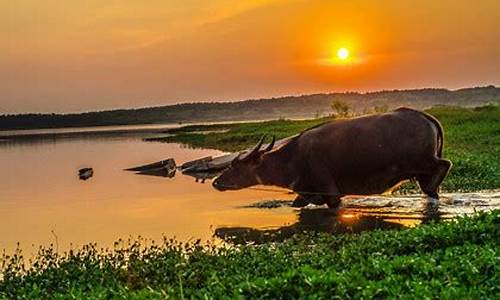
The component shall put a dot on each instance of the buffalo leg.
(332, 201)
(303, 200)
(300, 201)
(332, 195)
(429, 183)
(316, 199)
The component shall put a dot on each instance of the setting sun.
(340, 55)
(343, 53)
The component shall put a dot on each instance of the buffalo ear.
(271, 145)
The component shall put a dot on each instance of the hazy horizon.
(245, 99)
(96, 55)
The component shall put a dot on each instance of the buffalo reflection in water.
(316, 220)
(350, 220)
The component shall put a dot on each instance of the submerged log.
(167, 164)
(218, 163)
(200, 164)
(160, 172)
(201, 168)
(209, 163)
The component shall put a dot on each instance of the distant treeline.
(306, 106)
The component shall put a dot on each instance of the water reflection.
(317, 220)
(40, 192)
(42, 197)
(203, 176)
(159, 173)
(54, 138)
(356, 214)
(109, 129)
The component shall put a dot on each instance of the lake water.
(42, 200)
(41, 196)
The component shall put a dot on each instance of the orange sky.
(61, 55)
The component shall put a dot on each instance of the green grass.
(448, 260)
(236, 136)
(472, 142)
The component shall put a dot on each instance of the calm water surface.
(41, 196)
(43, 202)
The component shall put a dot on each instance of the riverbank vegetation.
(472, 142)
(449, 260)
(304, 106)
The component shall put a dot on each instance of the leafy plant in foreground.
(449, 260)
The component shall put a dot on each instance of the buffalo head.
(242, 172)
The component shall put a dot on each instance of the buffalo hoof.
(316, 199)
(333, 203)
(433, 195)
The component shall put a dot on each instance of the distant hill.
(306, 106)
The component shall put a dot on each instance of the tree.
(340, 109)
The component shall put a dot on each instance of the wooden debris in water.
(85, 173)
(162, 168)
(160, 172)
(201, 168)
(162, 164)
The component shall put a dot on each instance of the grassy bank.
(444, 260)
(450, 260)
(472, 142)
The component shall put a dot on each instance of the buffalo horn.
(271, 145)
(238, 157)
(257, 148)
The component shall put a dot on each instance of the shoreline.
(455, 259)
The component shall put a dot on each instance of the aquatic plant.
(440, 260)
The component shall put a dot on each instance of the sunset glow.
(249, 149)
(83, 55)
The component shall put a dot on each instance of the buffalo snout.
(218, 186)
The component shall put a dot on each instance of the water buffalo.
(360, 156)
